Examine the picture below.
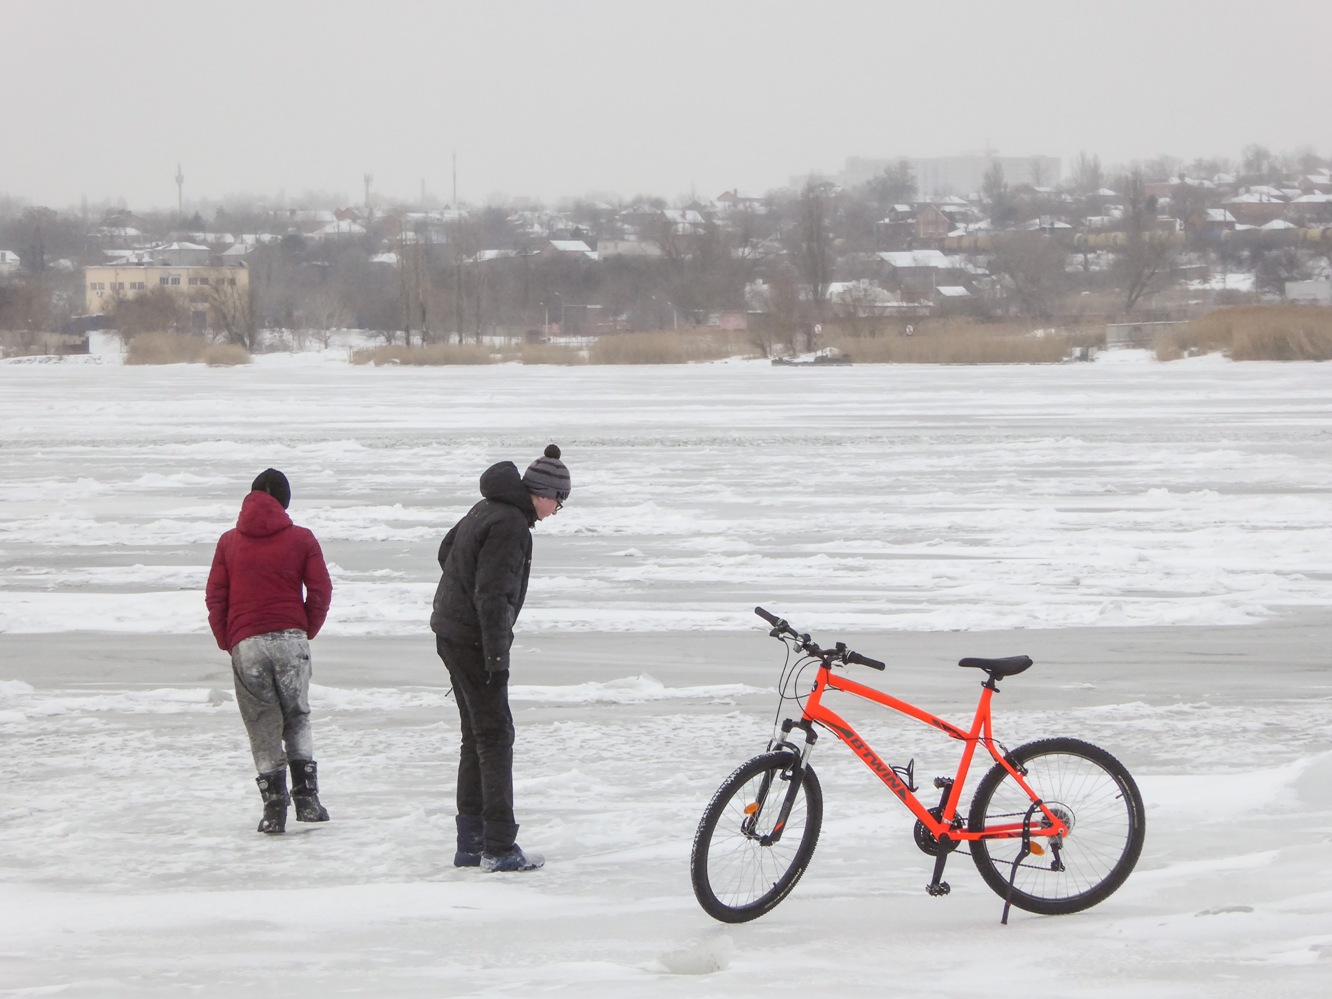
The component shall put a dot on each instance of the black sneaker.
(511, 860)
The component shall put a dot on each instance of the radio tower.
(180, 192)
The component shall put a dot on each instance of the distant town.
(884, 245)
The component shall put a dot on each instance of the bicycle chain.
(1014, 815)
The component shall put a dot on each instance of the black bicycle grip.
(772, 619)
(859, 660)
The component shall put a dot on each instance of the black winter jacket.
(486, 560)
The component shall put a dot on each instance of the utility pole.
(422, 274)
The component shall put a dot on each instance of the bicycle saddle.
(1008, 666)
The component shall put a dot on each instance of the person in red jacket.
(268, 594)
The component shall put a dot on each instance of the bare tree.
(896, 185)
(155, 311)
(1257, 164)
(231, 312)
(1162, 167)
(1147, 254)
(857, 309)
(1032, 265)
(1275, 266)
(29, 308)
(813, 250)
(1188, 203)
(324, 310)
(1087, 175)
(994, 189)
(784, 314)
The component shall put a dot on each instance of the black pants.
(485, 757)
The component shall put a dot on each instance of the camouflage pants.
(272, 674)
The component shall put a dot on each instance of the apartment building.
(201, 286)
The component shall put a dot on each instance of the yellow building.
(204, 288)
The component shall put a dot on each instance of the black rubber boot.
(470, 831)
(305, 791)
(273, 789)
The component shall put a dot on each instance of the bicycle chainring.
(926, 840)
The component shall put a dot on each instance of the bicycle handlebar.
(782, 630)
(859, 660)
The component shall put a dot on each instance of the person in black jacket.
(485, 560)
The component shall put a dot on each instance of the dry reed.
(437, 354)
(1255, 333)
(165, 348)
(667, 347)
(225, 354)
(957, 342)
(550, 353)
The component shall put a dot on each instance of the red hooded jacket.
(259, 570)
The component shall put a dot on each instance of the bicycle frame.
(945, 828)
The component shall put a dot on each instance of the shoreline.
(1279, 659)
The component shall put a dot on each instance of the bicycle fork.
(792, 775)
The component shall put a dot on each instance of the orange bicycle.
(1055, 826)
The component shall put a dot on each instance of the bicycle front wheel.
(1092, 793)
(755, 838)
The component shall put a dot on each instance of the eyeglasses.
(559, 505)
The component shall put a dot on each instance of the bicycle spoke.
(1092, 794)
(736, 877)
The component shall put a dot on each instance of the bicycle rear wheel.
(738, 871)
(1092, 793)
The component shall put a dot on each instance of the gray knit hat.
(547, 476)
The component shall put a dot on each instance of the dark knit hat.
(273, 482)
(547, 476)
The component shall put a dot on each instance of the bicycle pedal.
(941, 889)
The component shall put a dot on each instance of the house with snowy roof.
(1313, 209)
(568, 249)
(1212, 220)
(1257, 206)
(1319, 182)
(737, 200)
(920, 272)
(338, 229)
(181, 254)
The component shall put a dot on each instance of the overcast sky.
(621, 97)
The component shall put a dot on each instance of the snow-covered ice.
(1156, 536)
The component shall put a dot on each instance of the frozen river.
(1158, 537)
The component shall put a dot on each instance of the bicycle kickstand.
(1023, 854)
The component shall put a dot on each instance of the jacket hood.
(261, 515)
(502, 483)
